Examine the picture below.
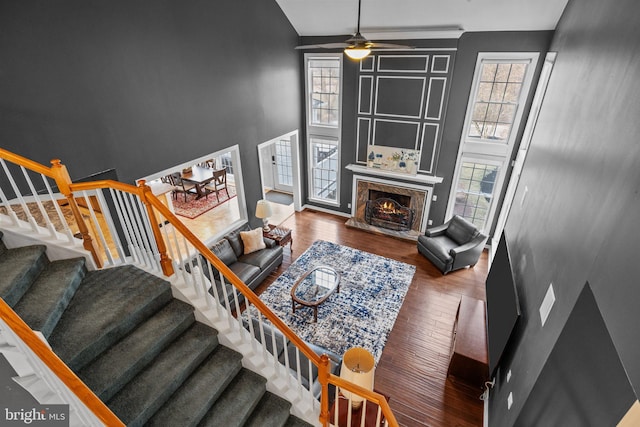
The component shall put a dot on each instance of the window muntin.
(496, 100)
(324, 160)
(283, 162)
(324, 91)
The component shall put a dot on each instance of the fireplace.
(403, 214)
(389, 210)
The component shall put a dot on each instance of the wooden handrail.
(61, 370)
(27, 163)
(143, 191)
(59, 173)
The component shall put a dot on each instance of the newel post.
(323, 377)
(63, 181)
(165, 261)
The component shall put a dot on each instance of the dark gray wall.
(564, 392)
(579, 221)
(464, 64)
(140, 86)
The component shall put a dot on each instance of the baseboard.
(325, 210)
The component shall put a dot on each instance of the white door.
(282, 165)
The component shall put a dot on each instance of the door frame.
(294, 137)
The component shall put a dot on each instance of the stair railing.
(17, 208)
(137, 228)
(57, 367)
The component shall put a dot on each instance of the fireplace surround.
(413, 197)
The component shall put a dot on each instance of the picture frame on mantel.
(394, 159)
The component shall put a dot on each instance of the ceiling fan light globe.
(357, 53)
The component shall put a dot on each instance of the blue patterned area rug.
(372, 289)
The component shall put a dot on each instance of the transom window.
(324, 85)
(496, 100)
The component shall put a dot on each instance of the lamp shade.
(263, 209)
(358, 367)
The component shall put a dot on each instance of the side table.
(281, 235)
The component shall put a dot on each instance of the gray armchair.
(453, 245)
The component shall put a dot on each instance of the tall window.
(324, 111)
(324, 158)
(324, 85)
(500, 87)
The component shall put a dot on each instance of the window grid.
(474, 192)
(283, 162)
(496, 100)
(324, 169)
(324, 79)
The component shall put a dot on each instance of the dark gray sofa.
(251, 268)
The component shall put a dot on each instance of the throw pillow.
(252, 240)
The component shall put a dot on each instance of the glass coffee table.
(314, 287)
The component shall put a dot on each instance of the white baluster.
(214, 290)
(97, 228)
(36, 197)
(137, 235)
(61, 217)
(106, 214)
(128, 233)
(23, 204)
(10, 212)
(150, 236)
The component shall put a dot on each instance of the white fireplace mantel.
(423, 179)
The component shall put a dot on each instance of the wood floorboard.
(413, 367)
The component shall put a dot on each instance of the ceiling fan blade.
(324, 46)
(375, 45)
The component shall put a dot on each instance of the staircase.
(139, 349)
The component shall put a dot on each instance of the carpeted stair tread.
(108, 305)
(192, 400)
(235, 405)
(49, 295)
(114, 368)
(19, 267)
(296, 422)
(272, 411)
(149, 390)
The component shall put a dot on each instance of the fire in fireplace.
(387, 210)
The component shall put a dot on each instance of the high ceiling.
(415, 17)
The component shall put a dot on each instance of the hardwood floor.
(413, 368)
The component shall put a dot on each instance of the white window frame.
(481, 151)
(332, 133)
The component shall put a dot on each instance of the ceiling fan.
(357, 46)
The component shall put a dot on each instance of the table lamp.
(358, 367)
(263, 211)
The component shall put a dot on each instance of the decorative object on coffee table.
(280, 234)
(263, 211)
(314, 287)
